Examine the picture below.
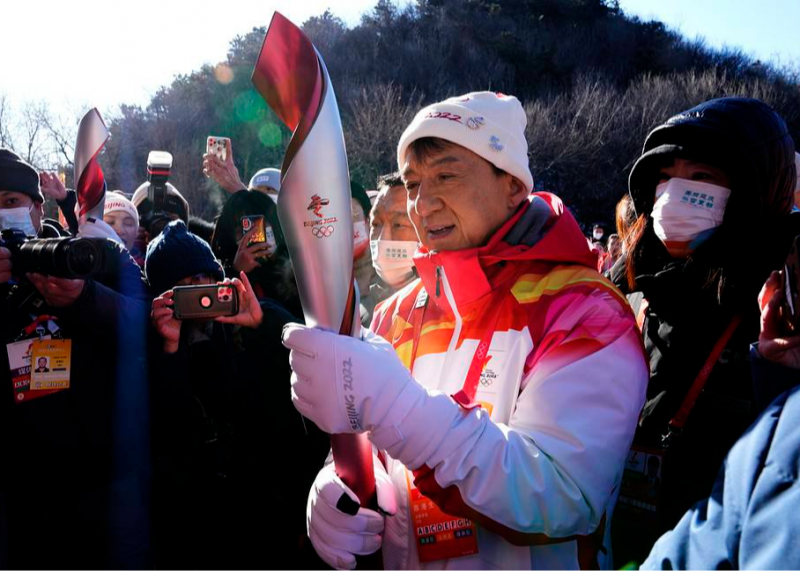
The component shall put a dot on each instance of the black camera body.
(71, 258)
(159, 166)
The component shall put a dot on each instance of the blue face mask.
(17, 219)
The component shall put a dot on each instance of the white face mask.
(17, 218)
(598, 234)
(687, 212)
(393, 260)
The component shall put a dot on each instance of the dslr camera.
(159, 165)
(71, 258)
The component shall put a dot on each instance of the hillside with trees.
(593, 81)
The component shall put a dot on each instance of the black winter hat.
(744, 137)
(18, 176)
(176, 254)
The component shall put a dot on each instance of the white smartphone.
(218, 146)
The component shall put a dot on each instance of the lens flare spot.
(270, 135)
(223, 73)
(249, 107)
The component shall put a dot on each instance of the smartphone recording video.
(205, 301)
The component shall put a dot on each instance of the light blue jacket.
(752, 519)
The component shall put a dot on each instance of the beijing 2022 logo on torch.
(322, 228)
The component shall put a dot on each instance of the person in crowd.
(366, 277)
(712, 191)
(749, 520)
(216, 414)
(267, 262)
(613, 254)
(75, 453)
(541, 355)
(175, 207)
(598, 232)
(267, 181)
(393, 239)
(602, 255)
(625, 217)
(614, 246)
(226, 175)
(201, 227)
(122, 216)
(51, 186)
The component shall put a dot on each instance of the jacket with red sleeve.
(538, 465)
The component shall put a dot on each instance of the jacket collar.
(540, 230)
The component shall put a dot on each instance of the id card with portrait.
(50, 364)
(19, 360)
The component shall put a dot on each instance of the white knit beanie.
(117, 202)
(266, 177)
(491, 125)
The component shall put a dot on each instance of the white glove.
(349, 385)
(343, 384)
(96, 228)
(336, 536)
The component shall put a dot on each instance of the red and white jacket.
(540, 463)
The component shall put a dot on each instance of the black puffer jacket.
(692, 301)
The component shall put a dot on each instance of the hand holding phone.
(218, 164)
(205, 301)
(218, 146)
(790, 312)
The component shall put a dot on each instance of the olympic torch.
(314, 207)
(90, 183)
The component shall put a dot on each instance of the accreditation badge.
(19, 360)
(438, 535)
(50, 364)
(641, 487)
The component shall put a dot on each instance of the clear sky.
(766, 29)
(102, 53)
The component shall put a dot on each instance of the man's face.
(124, 225)
(11, 199)
(42, 362)
(455, 200)
(389, 218)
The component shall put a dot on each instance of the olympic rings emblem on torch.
(322, 231)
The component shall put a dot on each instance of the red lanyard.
(679, 420)
(676, 424)
(29, 329)
(466, 396)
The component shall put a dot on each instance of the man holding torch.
(501, 389)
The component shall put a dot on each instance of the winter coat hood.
(745, 138)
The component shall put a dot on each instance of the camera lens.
(82, 257)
